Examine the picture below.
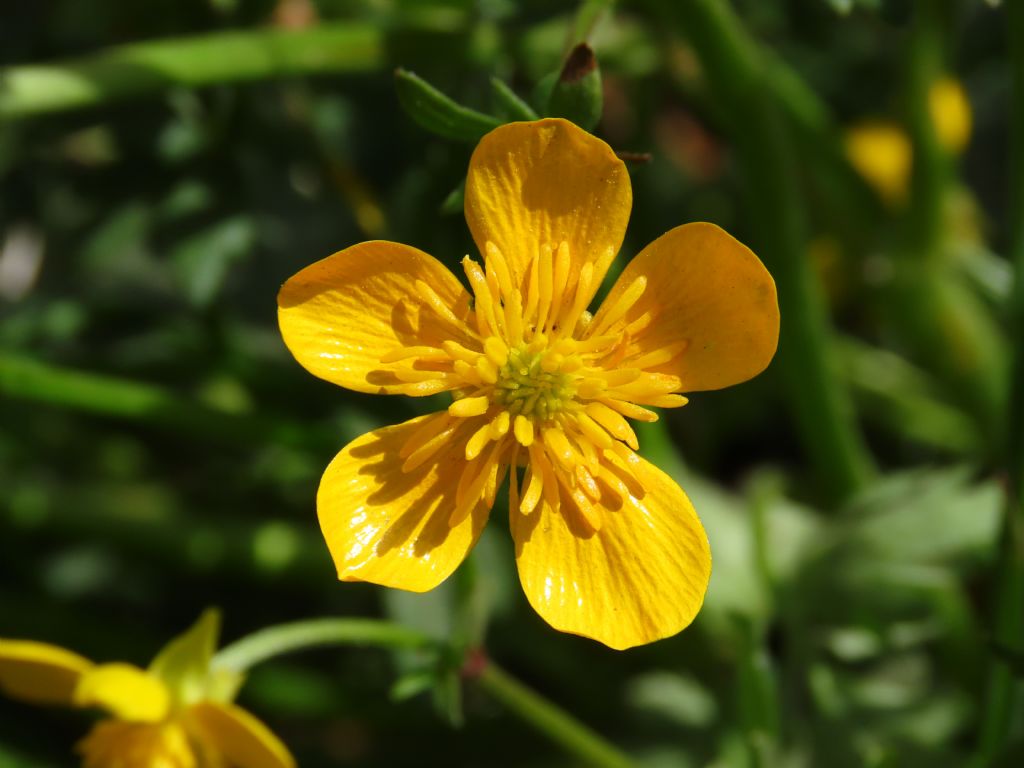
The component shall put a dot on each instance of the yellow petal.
(545, 183)
(709, 295)
(127, 692)
(39, 673)
(640, 578)
(390, 527)
(340, 315)
(239, 737)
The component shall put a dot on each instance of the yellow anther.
(477, 442)
(496, 350)
(500, 424)
(523, 429)
(469, 406)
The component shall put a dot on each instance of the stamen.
(496, 261)
(556, 441)
(435, 303)
(431, 427)
(587, 483)
(567, 320)
(424, 388)
(630, 410)
(476, 443)
(472, 491)
(544, 277)
(622, 304)
(561, 280)
(514, 317)
(534, 485)
(593, 431)
(487, 370)
(468, 373)
(660, 356)
(428, 449)
(496, 350)
(469, 406)
(499, 425)
(523, 429)
(458, 352)
(404, 353)
(485, 311)
(614, 423)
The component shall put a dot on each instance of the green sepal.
(184, 664)
(576, 94)
(438, 113)
(509, 102)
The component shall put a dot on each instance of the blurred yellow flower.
(175, 714)
(881, 151)
(951, 114)
(607, 545)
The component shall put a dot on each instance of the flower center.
(532, 384)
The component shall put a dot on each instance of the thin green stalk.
(558, 725)
(191, 62)
(1001, 705)
(278, 640)
(946, 323)
(521, 701)
(26, 379)
(737, 74)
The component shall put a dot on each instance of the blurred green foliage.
(160, 450)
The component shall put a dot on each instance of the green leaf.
(456, 199)
(577, 95)
(1013, 657)
(438, 113)
(204, 260)
(510, 103)
(413, 683)
(679, 699)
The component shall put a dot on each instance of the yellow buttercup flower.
(881, 151)
(175, 714)
(607, 545)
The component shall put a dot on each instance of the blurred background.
(160, 450)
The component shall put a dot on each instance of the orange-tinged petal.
(641, 577)
(240, 738)
(40, 673)
(127, 692)
(340, 315)
(711, 297)
(391, 527)
(545, 183)
(140, 745)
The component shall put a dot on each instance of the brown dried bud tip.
(476, 661)
(634, 157)
(581, 62)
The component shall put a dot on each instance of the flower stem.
(549, 719)
(946, 323)
(192, 62)
(1008, 621)
(524, 703)
(736, 72)
(274, 641)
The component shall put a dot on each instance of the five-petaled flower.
(607, 545)
(178, 713)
